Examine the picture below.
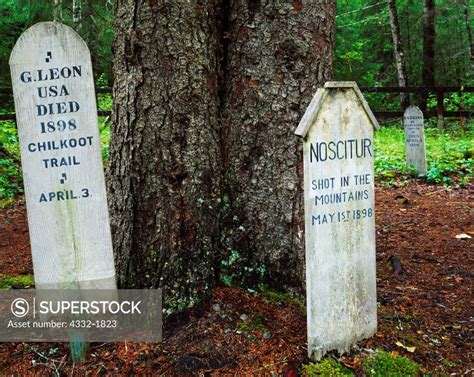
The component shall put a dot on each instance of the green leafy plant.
(326, 367)
(382, 364)
(23, 281)
(453, 101)
(104, 101)
(448, 153)
(11, 180)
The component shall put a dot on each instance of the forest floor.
(425, 312)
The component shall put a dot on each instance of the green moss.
(326, 367)
(448, 363)
(255, 323)
(4, 202)
(23, 281)
(412, 341)
(383, 364)
(275, 298)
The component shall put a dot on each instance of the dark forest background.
(364, 46)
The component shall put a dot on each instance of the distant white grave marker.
(339, 218)
(63, 174)
(415, 139)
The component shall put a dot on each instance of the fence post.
(440, 107)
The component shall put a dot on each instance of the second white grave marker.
(415, 139)
(339, 218)
(56, 114)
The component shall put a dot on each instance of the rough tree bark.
(77, 15)
(470, 47)
(398, 52)
(89, 30)
(279, 53)
(203, 159)
(429, 34)
(163, 175)
(58, 10)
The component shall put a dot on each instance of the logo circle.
(20, 307)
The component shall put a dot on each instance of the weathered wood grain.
(339, 219)
(61, 157)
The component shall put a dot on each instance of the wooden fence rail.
(440, 91)
(440, 111)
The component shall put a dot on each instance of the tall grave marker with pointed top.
(415, 139)
(56, 114)
(339, 218)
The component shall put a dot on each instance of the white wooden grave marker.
(63, 174)
(415, 139)
(339, 218)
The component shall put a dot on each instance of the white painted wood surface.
(66, 204)
(415, 139)
(339, 219)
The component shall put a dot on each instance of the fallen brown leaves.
(426, 306)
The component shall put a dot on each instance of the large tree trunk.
(58, 10)
(163, 176)
(398, 52)
(205, 173)
(77, 15)
(89, 32)
(429, 34)
(470, 47)
(279, 53)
